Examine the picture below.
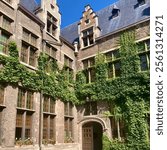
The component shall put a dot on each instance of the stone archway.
(91, 131)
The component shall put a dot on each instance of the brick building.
(36, 28)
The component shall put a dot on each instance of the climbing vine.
(129, 93)
(51, 83)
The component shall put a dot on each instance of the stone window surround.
(51, 24)
(88, 38)
(68, 122)
(88, 66)
(144, 55)
(28, 55)
(24, 115)
(50, 50)
(90, 108)
(49, 116)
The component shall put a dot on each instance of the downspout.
(41, 99)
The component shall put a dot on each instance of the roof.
(130, 13)
(30, 5)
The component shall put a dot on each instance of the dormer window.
(88, 37)
(115, 12)
(141, 2)
(51, 24)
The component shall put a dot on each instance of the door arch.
(92, 133)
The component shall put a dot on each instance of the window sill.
(25, 109)
(3, 54)
(8, 4)
(27, 65)
(48, 113)
(89, 46)
(51, 35)
(2, 106)
(9, 32)
(29, 43)
(69, 116)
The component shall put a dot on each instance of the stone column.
(9, 117)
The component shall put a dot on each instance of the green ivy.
(53, 83)
(129, 93)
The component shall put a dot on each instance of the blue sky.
(71, 10)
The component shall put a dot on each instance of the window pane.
(66, 126)
(26, 35)
(122, 128)
(24, 53)
(85, 34)
(85, 64)
(28, 126)
(114, 128)
(65, 108)
(110, 70)
(19, 119)
(4, 38)
(116, 54)
(18, 134)
(45, 127)
(48, 26)
(117, 69)
(30, 97)
(148, 44)
(90, 31)
(70, 127)
(92, 61)
(109, 56)
(92, 74)
(33, 40)
(91, 39)
(70, 109)
(53, 30)
(85, 41)
(52, 106)
(21, 98)
(51, 127)
(32, 57)
(46, 104)
(93, 108)
(86, 75)
(87, 109)
(6, 24)
(143, 62)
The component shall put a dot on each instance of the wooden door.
(87, 138)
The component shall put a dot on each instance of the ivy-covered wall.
(129, 93)
(54, 83)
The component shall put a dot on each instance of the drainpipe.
(41, 100)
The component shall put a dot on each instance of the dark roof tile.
(30, 5)
(130, 13)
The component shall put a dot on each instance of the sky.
(71, 10)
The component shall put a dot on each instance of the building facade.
(31, 121)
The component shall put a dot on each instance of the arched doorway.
(92, 136)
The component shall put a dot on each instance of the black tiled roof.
(30, 5)
(130, 13)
